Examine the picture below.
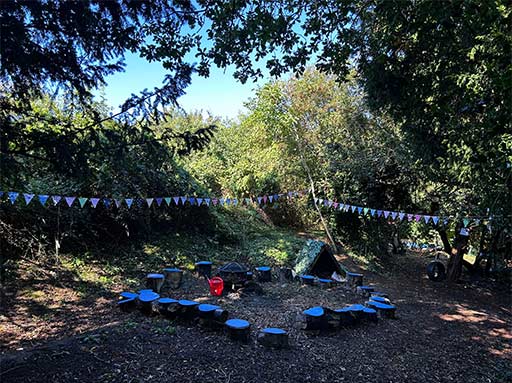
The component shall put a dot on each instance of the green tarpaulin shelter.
(316, 258)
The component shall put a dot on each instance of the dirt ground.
(462, 333)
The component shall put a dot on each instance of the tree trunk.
(456, 258)
(446, 243)
(312, 185)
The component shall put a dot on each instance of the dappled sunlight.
(464, 314)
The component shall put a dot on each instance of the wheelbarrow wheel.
(436, 271)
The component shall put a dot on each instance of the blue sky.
(220, 94)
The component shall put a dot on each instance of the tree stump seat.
(370, 315)
(379, 294)
(384, 310)
(357, 311)
(325, 283)
(211, 316)
(264, 273)
(312, 319)
(238, 329)
(128, 295)
(380, 299)
(168, 307)
(204, 268)
(307, 279)
(187, 309)
(173, 277)
(354, 280)
(154, 281)
(146, 300)
(347, 317)
(273, 337)
(128, 304)
(365, 291)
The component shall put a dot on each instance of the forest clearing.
(258, 191)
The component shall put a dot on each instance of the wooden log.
(307, 279)
(146, 301)
(273, 337)
(354, 280)
(127, 305)
(204, 268)
(384, 310)
(173, 277)
(238, 330)
(168, 307)
(264, 273)
(365, 291)
(187, 309)
(312, 319)
(154, 282)
(285, 274)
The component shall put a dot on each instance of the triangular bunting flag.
(372, 212)
(168, 201)
(199, 201)
(106, 202)
(176, 200)
(207, 201)
(265, 199)
(409, 217)
(159, 201)
(316, 200)
(70, 200)
(270, 198)
(329, 203)
(183, 200)
(386, 214)
(394, 214)
(149, 201)
(426, 218)
(13, 196)
(129, 202)
(94, 202)
(235, 202)
(82, 201)
(56, 199)
(401, 216)
(227, 201)
(335, 204)
(417, 217)
(43, 198)
(353, 208)
(192, 201)
(247, 201)
(221, 201)
(118, 203)
(359, 210)
(215, 201)
(435, 219)
(365, 210)
(28, 198)
(140, 202)
(466, 221)
(379, 213)
(259, 200)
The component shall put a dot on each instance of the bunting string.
(392, 216)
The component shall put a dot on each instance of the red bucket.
(216, 286)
